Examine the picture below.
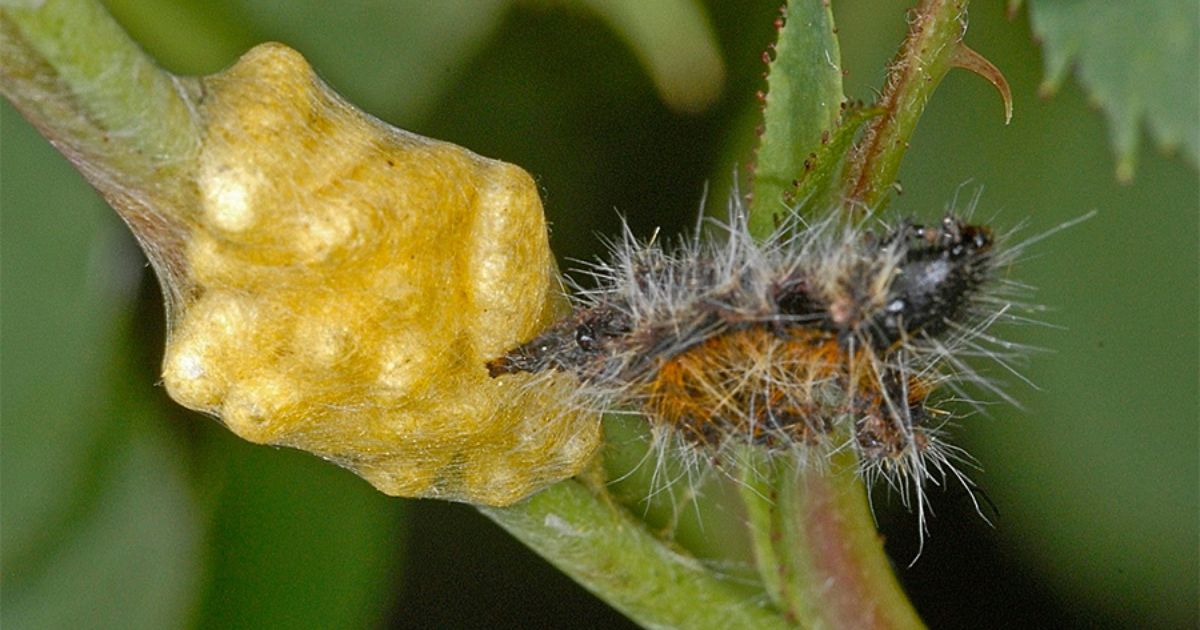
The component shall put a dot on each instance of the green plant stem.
(933, 46)
(685, 65)
(75, 74)
(125, 123)
(601, 546)
(816, 539)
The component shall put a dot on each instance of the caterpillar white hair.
(824, 336)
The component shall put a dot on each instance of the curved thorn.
(964, 57)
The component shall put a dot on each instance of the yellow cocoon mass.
(350, 281)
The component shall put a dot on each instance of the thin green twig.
(78, 77)
(601, 546)
(934, 45)
(124, 122)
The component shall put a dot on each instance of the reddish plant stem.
(933, 46)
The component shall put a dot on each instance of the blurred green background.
(122, 510)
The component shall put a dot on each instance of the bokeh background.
(122, 510)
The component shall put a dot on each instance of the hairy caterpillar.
(823, 336)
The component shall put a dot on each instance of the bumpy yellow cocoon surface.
(352, 280)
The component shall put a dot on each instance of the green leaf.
(824, 164)
(54, 323)
(675, 43)
(416, 47)
(295, 542)
(1139, 60)
(188, 37)
(99, 526)
(129, 563)
(803, 103)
